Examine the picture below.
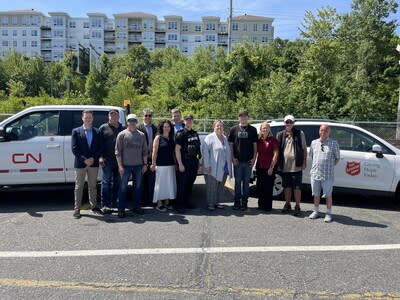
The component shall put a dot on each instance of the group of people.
(163, 163)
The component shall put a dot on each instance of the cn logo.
(24, 158)
(353, 168)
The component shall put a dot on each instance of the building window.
(35, 20)
(265, 27)
(245, 27)
(15, 33)
(24, 32)
(24, 44)
(4, 20)
(34, 33)
(172, 25)
(185, 39)
(185, 49)
(197, 28)
(25, 20)
(172, 37)
(58, 33)
(185, 27)
(72, 24)
(58, 21)
(264, 39)
(120, 35)
(4, 43)
(14, 20)
(4, 32)
(15, 44)
(235, 26)
(86, 25)
(254, 39)
(210, 26)
(148, 24)
(254, 27)
(223, 29)
(210, 38)
(197, 39)
(121, 23)
(98, 35)
(96, 23)
(33, 44)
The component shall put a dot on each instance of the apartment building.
(35, 34)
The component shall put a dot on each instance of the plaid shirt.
(323, 155)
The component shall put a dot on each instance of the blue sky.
(287, 14)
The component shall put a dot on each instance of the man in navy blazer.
(86, 147)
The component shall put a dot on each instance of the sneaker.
(107, 211)
(314, 215)
(236, 206)
(121, 214)
(286, 208)
(244, 208)
(97, 211)
(328, 218)
(138, 210)
(219, 206)
(211, 207)
(296, 210)
(161, 208)
(77, 214)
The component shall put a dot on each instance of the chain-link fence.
(385, 130)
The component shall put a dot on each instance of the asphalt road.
(46, 254)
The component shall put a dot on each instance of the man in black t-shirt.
(187, 151)
(243, 141)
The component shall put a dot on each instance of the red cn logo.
(24, 158)
(353, 168)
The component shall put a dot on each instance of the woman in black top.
(163, 159)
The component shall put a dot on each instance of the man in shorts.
(325, 154)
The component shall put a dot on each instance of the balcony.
(160, 40)
(45, 37)
(108, 38)
(109, 49)
(135, 27)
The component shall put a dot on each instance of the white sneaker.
(328, 218)
(314, 215)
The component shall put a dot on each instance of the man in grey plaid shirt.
(325, 154)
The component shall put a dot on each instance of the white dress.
(165, 186)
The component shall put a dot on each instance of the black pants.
(185, 181)
(149, 180)
(265, 184)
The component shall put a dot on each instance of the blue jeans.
(110, 183)
(137, 175)
(242, 173)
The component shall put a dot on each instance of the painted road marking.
(205, 250)
(174, 289)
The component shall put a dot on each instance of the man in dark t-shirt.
(243, 141)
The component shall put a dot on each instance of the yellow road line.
(254, 292)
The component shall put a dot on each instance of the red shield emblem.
(353, 168)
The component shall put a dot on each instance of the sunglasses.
(148, 116)
(289, 122)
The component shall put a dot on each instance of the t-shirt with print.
(243, 138)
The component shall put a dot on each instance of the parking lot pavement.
(225, 254)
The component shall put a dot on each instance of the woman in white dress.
(217, 160)
(163, 159)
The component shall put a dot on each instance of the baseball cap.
(131, 117)
(288, 117)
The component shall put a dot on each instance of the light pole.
(398, 106)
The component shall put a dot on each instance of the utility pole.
(230, 27)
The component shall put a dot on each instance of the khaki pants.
(80, 175)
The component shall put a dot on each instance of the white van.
(35, 144)
(368, 165)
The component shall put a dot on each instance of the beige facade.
(32, 33)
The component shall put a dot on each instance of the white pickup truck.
(35, 144)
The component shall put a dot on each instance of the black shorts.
(292, 179)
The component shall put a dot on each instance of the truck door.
(31, 152)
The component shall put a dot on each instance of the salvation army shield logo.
(353, 168)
